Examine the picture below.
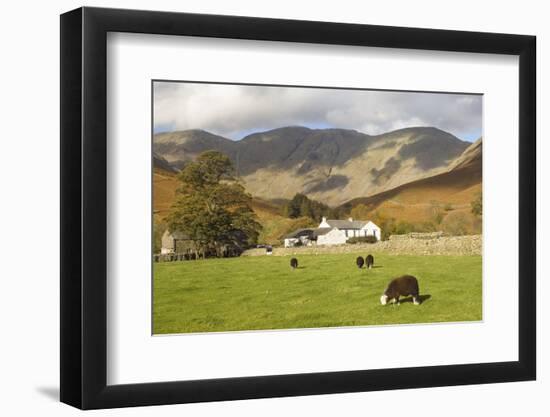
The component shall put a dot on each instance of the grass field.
(252, 293)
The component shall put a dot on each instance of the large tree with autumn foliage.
(212, 207)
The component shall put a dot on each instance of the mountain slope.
(160, 163)
(414, 201)
(181, 147)
(329, 165)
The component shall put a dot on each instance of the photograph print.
(291, 207)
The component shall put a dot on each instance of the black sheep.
(369, 260)
(294, 263)
(402, 286)
(360, 262)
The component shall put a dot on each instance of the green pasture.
(263, 292)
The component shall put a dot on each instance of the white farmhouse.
(332, 232)
(337, 232)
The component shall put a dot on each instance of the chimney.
(350, 219)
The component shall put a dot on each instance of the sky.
(234, 111)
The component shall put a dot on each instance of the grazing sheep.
(294, 263)
(360, 262)
(402, 286)
(369, 260)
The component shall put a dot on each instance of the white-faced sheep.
(369, 260)
(401, 287)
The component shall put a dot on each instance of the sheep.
(360, 262)
(369, 260)
(401, 286)
(294, 263)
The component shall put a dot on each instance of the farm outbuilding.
(179, 243)
(300, 237)
(174, 242)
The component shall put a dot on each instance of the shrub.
(477, 205)
(404, 228)
(435, 213)
(362, 239)
(438, 217)
(457, 223)
(426, 227)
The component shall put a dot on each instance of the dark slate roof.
(346, 224)
(300, 232)
(321, 231)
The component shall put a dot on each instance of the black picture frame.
(84, 207)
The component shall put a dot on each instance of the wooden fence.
(173, 257)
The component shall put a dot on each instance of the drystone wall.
(411, 244)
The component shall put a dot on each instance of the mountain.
(160, 163)
(453, 189)
(178, 148)
(471, 157)
(329, 165)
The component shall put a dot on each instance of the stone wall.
(410, 244)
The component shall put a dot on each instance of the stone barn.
(175, 242)
(180, 243)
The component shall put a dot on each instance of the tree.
(294, 206)
(477, 205)
(212, 207)
(158, 230)
(302, 206)
(387, 224)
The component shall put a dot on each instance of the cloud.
(234, 110)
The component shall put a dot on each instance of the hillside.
(450, 191)
(274, 224)
(165, 184)
(329, 165)
(181, 147)
(160, 163)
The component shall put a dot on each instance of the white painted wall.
(334, 237)
(372, 229)
(30, 36)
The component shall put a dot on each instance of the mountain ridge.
(330, 165)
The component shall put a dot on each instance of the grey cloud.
(228, 110)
